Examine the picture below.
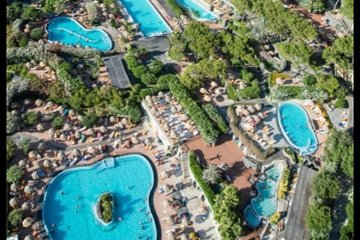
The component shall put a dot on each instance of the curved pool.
(68, 31)
(265, 203)
(295, 126)
(70, 200)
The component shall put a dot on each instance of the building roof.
(117, 72)
(295, 227)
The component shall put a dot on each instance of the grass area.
(197, 171)
(178, 11)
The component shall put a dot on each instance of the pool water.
(265, 203)
(68, 31)
(199, 12)
(70, 200)
(296, 128)
(150, 21)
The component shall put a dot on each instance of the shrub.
(341, 103)
(10, 149)
(15, 216)
(274, 219)
(36, 33)
(31, 14)
(250, 92)
(58, 122)
(12, 123)
(148, 78)
(231, 92)
(23, 41)
(14, 174)
(106, 203)
(197, 171)
(318, 220)
(89, 121)
(284, 184)
(30, 118)
(214, 115)
(325, 186)
(309, 80)
(25, 145)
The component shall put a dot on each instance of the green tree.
(55, 6)
(296, 51)
(58, 122)
(13, 11)
(30, 118)
(15, 216)
(318, 220)
(31, 14)
(341, 52)
(178, 45)
(211, 174)
(328, 83)
(341, 103)
(347, 8)
(164, 80)
(14, 174)
(347, 163)
(309, 80)
(251, 92)
(325, 186)
(10, 149)
(201, 41)
(225, 213)
(36, 33)
(155, 66)
(148, 78)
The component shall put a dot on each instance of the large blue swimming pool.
(198, 11)
(144, 13)
(295, 125)
(265, 203)
(68, 31)
(70, 200)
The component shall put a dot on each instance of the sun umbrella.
(203, 91)
(76, 152)
(246, 112)
(147, 141)
(25, 206)
(27, 101)
(173, 134)
(42, 64)
(22, 163)
(174, 161)
(124, 121)
(28, 189)
(170, 235)
(213, 84)
(91, 150)
(112, 119)
(48, 105)
(184, 221)
(29, 237)
(166, 203)
(47, 163)
(39, 103)
(13, 202)
(166, 187)
(203, 210)
(256, 119)
(173, 109)
(89, 132)
(77, 134)
(32, 155)
(160, 94)
(169, 220)
(257, 107)
(207, 98)
(261, 115)
(35, 175)
(13, 187)
(135, 140)
(51, 132)
(41, 147)
(166, 126)
(251, 109)
(102, 129)
(40, 127)
(27, 222)
(167, 98)
(71, 113)
(66, 127)
(218, 91)
(164, 174)
(63, 137)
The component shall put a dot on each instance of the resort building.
(117, 72)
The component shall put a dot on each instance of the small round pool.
(296, 128)
(69, 208)
(68, 31)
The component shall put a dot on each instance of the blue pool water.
(296, 128)
(204, 14)
(130, 180)
(68, 31)
(265, 203)
(144, 13)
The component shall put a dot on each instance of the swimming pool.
(198, 11)
(295, 125)
(70, 200)
(150, 21)
(68, 31)
(265, 203)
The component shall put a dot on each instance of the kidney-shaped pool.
(69, 209)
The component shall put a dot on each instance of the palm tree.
(211, 174)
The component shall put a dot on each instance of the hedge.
(284, 184)
(231, 92)
(214, 115)
(197, 171)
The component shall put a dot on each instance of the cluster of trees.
(197, 171)
(211, 174)
(279, 19)
(318, 220)
(347, 231)
(195, 75)
(178, 46)
(225, 213)
(251, 91)
(341, 52)
(296, 51)
(106, 203)
(196, 113)
(347, 8)
(215, 116)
